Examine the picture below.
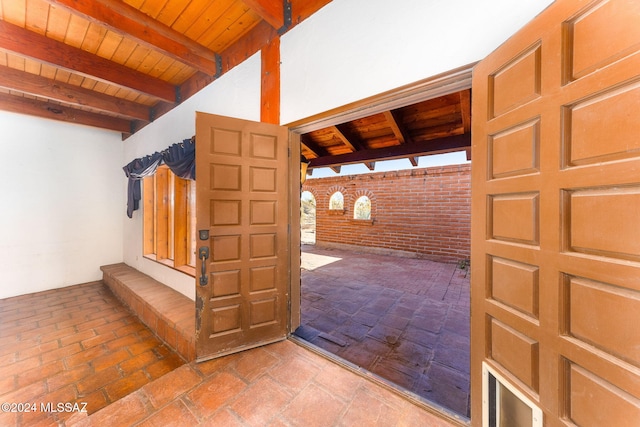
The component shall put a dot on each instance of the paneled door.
(556, 214)
(243, 243)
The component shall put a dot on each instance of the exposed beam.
(269, 10)
(130, 22)
(396, 126)
(312, 146)
(336, 169)
(40, 48)
(349, 142)
(434, 146)
(370, 165)
(465, 109)
(242, 49)
(70, 94)
(47, 110)
(413, 160)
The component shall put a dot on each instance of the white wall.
(235, 94)
(68, 220)
(61, 197)
(354, 49)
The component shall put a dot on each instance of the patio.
(403, 319)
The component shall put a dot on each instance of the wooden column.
(270, 82)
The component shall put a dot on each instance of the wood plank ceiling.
(119, 65)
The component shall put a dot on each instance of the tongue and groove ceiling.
(119, 65)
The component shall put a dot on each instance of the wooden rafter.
(32, 84)
(465, 109)
(349, 142)
(396, 126)
(436, 146)
(130, 22)
(269, 10)
(312, 146)
(32, 45)
(60, 112)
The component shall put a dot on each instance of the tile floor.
(404, 319)
(80, 345)
(76, 344)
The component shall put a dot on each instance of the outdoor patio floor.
(404, 319)
(79, 345)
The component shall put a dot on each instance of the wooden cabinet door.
(242, 203)
(556, 214)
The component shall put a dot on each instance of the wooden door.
(242, 204)
(556, 214)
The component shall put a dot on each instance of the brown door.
(556, 214)
(242, 204)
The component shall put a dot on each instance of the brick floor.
(404, 319)
(297, 388)
(80, 345)
(75, 344)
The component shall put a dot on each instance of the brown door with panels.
(242, 203)
(556, 215)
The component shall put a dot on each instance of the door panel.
(556, 204)
(243, 202)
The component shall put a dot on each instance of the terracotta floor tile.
(171, 385)
(125, 385)
(69, 376)
(110, 359)
(250, 368)
(314, 407)
(215, 392)
(125, 412)
(282, 384)
(175, 415)
(98, 380)
(252, 406)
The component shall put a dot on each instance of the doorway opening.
(400, 315)
(307, 218)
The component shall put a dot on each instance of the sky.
(456, 158)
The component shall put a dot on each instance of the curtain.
(135, 171)
(180, 158)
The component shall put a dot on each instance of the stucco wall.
(61, 195)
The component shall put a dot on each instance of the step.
(169, 314)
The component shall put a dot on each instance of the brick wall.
(424, 212)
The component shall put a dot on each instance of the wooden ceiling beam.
(312, 146)
(465, 109)
(349, 142)
(43, 87)
(32, 45)
(131, 23)
(434, 146)
(47, 110)
(397, 128)
(271, 11)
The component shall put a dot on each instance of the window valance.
(179, 157)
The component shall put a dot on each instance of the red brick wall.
(426, 212)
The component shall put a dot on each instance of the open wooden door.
(243, 215)
(556, 216)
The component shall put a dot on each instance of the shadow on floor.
(406, 320)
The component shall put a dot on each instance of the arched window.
(336, 202)
(362, 208)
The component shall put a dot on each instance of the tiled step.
(168, 313)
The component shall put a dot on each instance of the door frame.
(442, 84)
